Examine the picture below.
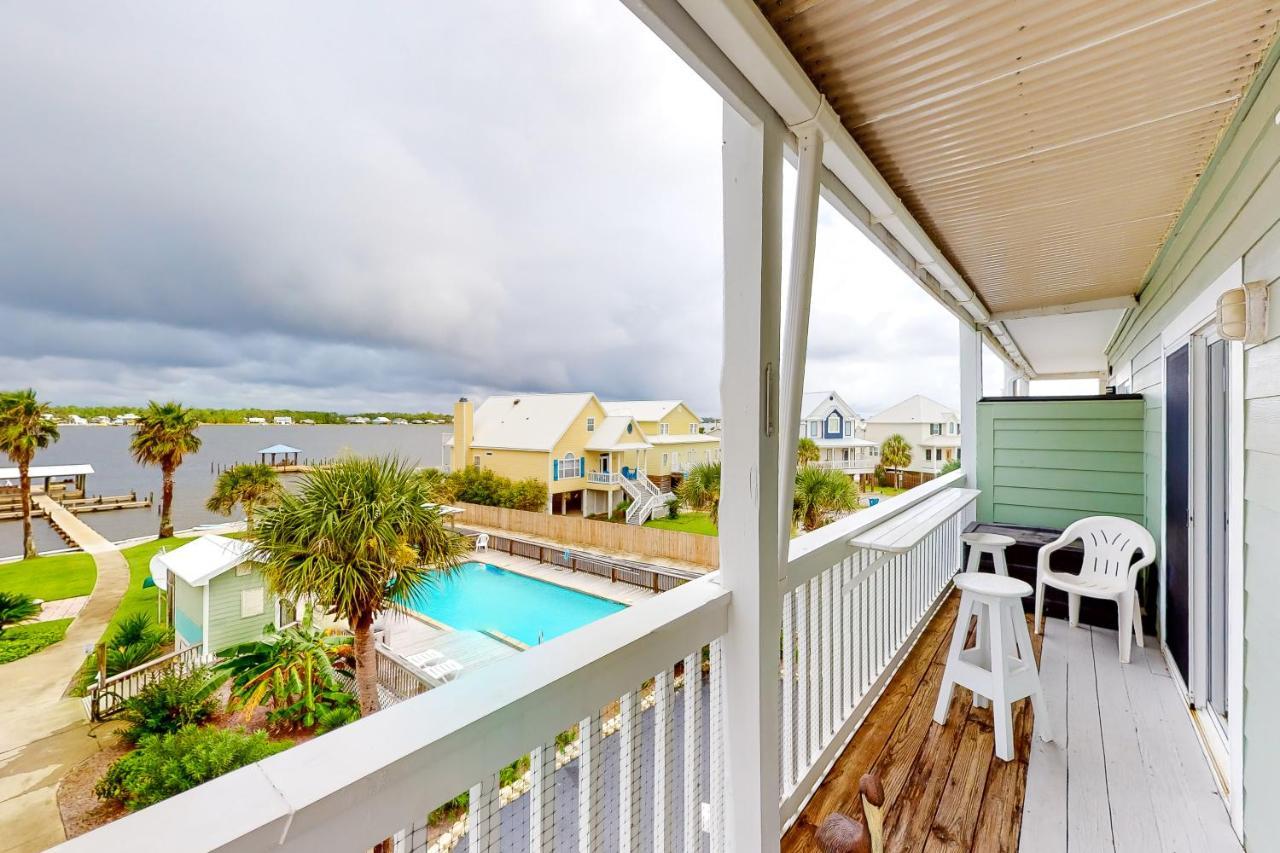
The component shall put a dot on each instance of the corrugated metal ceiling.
(1047, 147)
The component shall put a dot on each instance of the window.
(251, 602)
(664, 461)
(848, 428)
(591, 424)
(570, 467)
(935, 429)
(813, 429)
(928, 454)
(663, 429)
(833, 424)
(693, 429)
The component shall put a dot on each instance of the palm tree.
(25, 428)
(165, 433)
(356, 536)
(806, 452)
(248, 485)
(895, 453)
(821, 493)
(700, 489)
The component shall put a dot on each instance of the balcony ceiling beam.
(1110, 304)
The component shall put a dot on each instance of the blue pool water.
(486, 598)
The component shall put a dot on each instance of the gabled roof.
(200, 561)
(611, 435)
(526, 421)
(917, 409)
(642, 410)
(814, 404)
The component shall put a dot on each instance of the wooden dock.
(12, 510)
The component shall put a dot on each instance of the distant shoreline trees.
(239, 416)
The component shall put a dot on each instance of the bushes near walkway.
(168, 764)
(23, 640)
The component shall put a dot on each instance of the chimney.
(463, 419)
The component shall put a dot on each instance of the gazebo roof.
(279, 448)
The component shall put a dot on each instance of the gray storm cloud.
(331, 205)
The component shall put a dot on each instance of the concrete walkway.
(43, 732)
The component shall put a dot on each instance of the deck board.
(1125, 772)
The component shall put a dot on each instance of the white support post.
(692, 828)
(542, 803)
(629, 759)
(970, 390)
(663, 760)
(749, 524)
(795, 334)
(590, 787)
(483, 817)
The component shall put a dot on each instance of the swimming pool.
(486, 598)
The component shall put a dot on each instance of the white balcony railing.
(859, 465)
(849, 614)
(602, 478)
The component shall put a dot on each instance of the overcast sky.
(351, 207)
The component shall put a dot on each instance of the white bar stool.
(987, 543)
(1001, 667)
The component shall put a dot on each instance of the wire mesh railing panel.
(637, 775)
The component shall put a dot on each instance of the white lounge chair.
(482, 542)
(1108, 571)
(443, 671)
(425, 659)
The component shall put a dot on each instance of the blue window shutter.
(555, 469)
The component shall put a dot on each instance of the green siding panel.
(1049, 463)
(1072, 460)
(226, 627)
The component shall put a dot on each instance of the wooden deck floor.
(944, 788)
(1137, 781)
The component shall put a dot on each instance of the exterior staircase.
(647, 500)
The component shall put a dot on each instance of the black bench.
(1022, 565)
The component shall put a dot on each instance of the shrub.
(529, 495)
(16, 607)
(950, 466)
(488, 488)
(173, 700)
(673, 509)
(881, 477)
(291, 671)
(168, 764)
(137, 639)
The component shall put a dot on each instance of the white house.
(839, 432)
(255, 421)
(932, 429)
(282, 420)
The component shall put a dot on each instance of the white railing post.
(484, 831)
(590, 789)
(970, 390)
(692, 752)
(749, 524)
(663, 760)
(542, 803)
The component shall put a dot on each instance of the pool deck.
(623, 593)
(408, 635)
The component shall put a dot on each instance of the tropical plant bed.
(82, 810)
(23, 640)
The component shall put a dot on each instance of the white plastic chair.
(482, 542)
(1108, 571)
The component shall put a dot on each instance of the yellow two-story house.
(590, 454)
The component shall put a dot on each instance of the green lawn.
(137, 599)
(50, 578)
(23, 640)
(688, 522)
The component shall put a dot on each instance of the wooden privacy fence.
(630, 538)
